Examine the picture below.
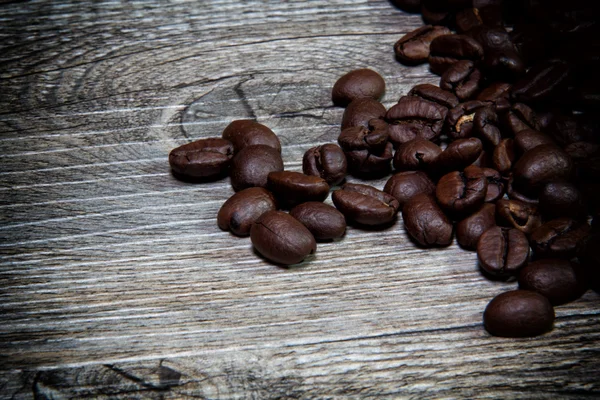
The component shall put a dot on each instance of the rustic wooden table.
(115, 279)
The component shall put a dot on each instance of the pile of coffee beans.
(505, 154)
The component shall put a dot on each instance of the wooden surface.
(115, 281)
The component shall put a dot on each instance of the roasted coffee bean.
(582, 152)
(365, 204)
(414, 117)
(252, 164)
(497, 95)
(484, 160)
(531, 41)
(281, 238)
(502, 252)
(486, 127)
(292, 188)
(541, 83)
(501, 61)
(411, 6)
(447, 49)
(543, 164)
(373, 138)
(434, 94)
(519, 215)
(327, 161)
(567, 129)
(413, 48)
(520, 117)
(360, 111)
(416, 154)
(242, 209)
(245, 132)
(462, 79)
(434, 17)
(518, 313)
(461, 193)
(471, 228)
(562, 199)
(588, 254)
(515, 194)
(504, 156)
(467, 19)
(560, 281)
(325, 222)
(558, 238)
(367, 165)
(495, 185)
(457, 156)
(425, 221)
(204, 159)
(527, 139)
(460, 119)
(357, 84)
(404, 185)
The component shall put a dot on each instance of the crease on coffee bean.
(505, 239)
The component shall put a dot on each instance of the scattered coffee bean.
(528, 139)
(462, 79)
(204, 158)
(504, 156)
(434, 94)
(541, 165)
(252, 164)
(425, 221)
(460, 193)
(404, 185)
(292, 188)
(447, 49)
(562, 199)
(416, 154)
(368, 165)
(458, 155)
(322, 220)
(518, 313)
(495, 185)
(519, 215)
(413, 48)
(459, 121)
(242, 209)
(245, 132)
(471, 228)
(502, 252)
(515, 194)
(520, 117)
(485, 122)
(558, 238)
(414, 117)
(560, 281)
(326, 161)
(543, 82)
(357, 84)
(360, 111)
(365, 204)
(373, 138)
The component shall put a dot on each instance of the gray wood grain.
(115, 281)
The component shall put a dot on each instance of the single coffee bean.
(588, 254)
(504, 156)
(447, 49)
(414, 117)
(252, 164)
(502, 252)
(281, 238)
(368, 165)
(404, 185)
(293, 188)
(567, 129)
(373, 138)
(327, 161)
(434, 94)
(357, 84)
(413, 48)
(416, 154)
(245, 132)
(462, 79)
(543, 82)
(425, 221)
(325, 222)
(543, 164)
(562, 199)
(486, 126)
(518, 313)
(467, 19)
(515, 194)
(458, 155)
(519, 215)
(461, 193)
(365, 204)
(360, 111)
(434, 17)
(501, 61)
(558, 238)
(471, 228)
(242, 209)
(204, 158)
(460, 119)
(527, 139)
(560, 281)
(411, 6)
(497, 95)
(495, 185)
(520, 117)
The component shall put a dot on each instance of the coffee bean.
(292, 188)
(504, 156)
(495, 185)
(501, 61)
(414, 117)
(543, 82)
(204, 158)
(484, 160)
(416, 154)
(497, 95)
(434, 94)
(367, 165)
(326, 161)
(447, 49)
(515, 194)
(461, 193)
(467, 19)
(357, 84)
(413, 48)
(458, 155)
(360, 111)
(245, 132)
(527, 139)
(471, 228)
(543, 164)
(404, 185)
(558, 238)
(562, 199)
(520, 117)
(519, 215)
(322, 220)
(560, 281)
(411, 6)
(252, 164)
(460, 119)
(242, 209)
(518, 313)
(281, 238)
(462, 79)
(434, 17)
(373, 138)
(425, 221)
(365, 204)
(502, 252)
(485, 122)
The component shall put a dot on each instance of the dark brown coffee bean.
(495, 185)
(504, 156)
(558, 238)
(502, 252)
(425, 221)
(404, 185)
(281, 238)
(357, 84)
(373, 138)
(458, 155)
(411, 6)
(501, 61)
(497, 95)
(527, 139)
(520, 117)
(542, 82)
(252, 164)
(245, 132)
(242, 209)
(365, 204)
(560, 281)
(484, 160)
(434, 17)
(461, 193)
(360, 111)
(486, 126)
(413, 48)
(462, 79)
(518, 313)
(414, 117)
(325, 222)
(515, 194)
(562, 199)
(519, 215)
(543, 164)
(467, 19)
(327, 161)
(204, 159)
(447, 49)
(367, 165)
(434, 94)
(416, 154)
(292, 188)
(460, 119)
(471, 228)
